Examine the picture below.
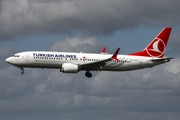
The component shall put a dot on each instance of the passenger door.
(27, 57)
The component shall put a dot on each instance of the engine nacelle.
(70, 68)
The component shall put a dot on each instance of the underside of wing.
(94, 65)
(97, 64)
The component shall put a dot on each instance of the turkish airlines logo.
(156, 48)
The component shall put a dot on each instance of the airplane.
(71, 62)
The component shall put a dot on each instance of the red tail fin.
(157, 47)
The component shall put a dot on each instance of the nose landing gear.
(88, 74)
(22, 72)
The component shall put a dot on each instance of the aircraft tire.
(88, 74)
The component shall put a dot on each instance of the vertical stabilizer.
(158, 45)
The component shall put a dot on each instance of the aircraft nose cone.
(8, 60)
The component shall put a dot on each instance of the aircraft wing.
(98, 64)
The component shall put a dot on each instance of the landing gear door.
(27, 57)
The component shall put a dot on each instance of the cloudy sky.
(88, 26)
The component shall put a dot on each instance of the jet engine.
(69, 68)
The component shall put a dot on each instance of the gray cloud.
(4, 53)
(48, 94)
(142, 94)
(22, 17)
(77, 44)
(174, 43)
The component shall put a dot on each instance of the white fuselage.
(69, 62)
(44, 59)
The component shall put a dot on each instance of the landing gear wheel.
(22, 72)
(88, 74)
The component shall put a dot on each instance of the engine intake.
(69, 68)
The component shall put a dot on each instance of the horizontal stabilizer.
(162, 59)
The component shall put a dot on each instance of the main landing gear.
(22, 72)
(88, 74)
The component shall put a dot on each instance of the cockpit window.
(16, 56)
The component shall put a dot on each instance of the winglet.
(103, 50)
(114, 56)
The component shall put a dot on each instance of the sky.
(88, 26)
